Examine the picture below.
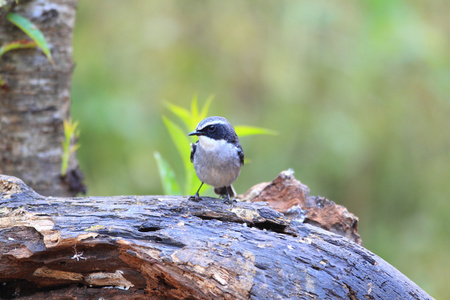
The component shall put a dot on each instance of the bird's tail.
(225, 190)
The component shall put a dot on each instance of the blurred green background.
(357, 90)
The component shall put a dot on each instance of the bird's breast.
(216, 162)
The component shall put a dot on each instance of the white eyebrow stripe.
(215, 122)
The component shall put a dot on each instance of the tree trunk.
(36, 100)
(161, 247)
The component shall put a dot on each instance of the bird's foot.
(195, 198)
(228, 200)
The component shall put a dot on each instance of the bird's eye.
(211, 128)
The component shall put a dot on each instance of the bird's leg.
(227, 197)
(196, 197)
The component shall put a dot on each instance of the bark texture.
(292, 198)
(5, 8)
(160, 247)
(37, 100)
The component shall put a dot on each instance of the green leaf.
(22, 44)
(2, 83)
(179, 137)
(250, 130)
(181, 113)
(32, 31)
(194, 112)
(75, 148)
(167, 176)
(205, 108)
(70, 131)
(181, 141)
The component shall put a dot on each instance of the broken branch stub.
(288, 195)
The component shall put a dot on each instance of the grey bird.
(217, 156)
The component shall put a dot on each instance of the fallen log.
(153, 247)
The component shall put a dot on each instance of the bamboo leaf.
(74, 148)
(205, 108)
(32, 31)
(70, 131)
(22, 44)
(250, 130)
(179, 137)
(194, 112)
(181, 141)
(181, 113)
(167, 175)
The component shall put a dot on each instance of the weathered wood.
(145, 247)
(292, 198)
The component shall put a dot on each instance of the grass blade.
(22, 44)
(32, 31)
(182, 143)
(167, 175)
(180, 139)
(181, 113)
(205, 108)
(250, 130)
(194, 112)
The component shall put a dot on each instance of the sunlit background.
(358, 92)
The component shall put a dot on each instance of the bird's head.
(215, 128)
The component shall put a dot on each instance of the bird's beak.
(194, 133)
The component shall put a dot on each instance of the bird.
(217, 156)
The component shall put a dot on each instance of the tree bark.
(37, 100)
(5, 8)
(161, 247)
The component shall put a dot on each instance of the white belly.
(219, 165)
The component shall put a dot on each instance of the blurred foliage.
(15, 45)
(38, 39)
(182, 141)
(70, 134)
(32, 31)
(358, 91)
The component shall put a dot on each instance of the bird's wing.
(193, 148)
(241, 155)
